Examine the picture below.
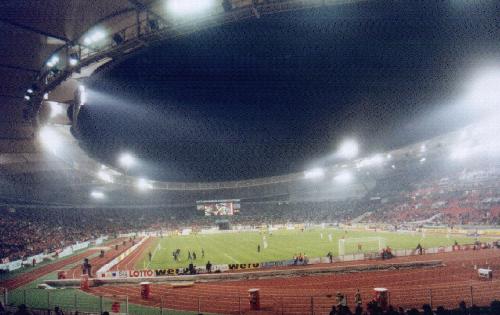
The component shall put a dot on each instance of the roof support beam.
(34, 30)
(142, 7)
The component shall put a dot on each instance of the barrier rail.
(237, 302)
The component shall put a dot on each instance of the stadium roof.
(31, 32)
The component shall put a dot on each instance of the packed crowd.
(466, 197)
(425, 196)
(374, 308)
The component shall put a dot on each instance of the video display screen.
(219, 207)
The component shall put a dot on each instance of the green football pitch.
(230, 248)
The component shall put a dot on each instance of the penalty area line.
(234, 260)
(153, 256)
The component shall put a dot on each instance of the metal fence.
(70, 301)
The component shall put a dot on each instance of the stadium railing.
(236, 301)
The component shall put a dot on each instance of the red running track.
(131, 260)
(31, 276)
(35, 274)
(447, 285)
(98, 262)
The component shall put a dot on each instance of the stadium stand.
(463, 197)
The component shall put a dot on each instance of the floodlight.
(30, 91)
(422, 160)
(314, 173)
(94, 36)
(393, 166)
(87, 41)
(348, 149)
(54, 60)
(190, 7)
(389, 156)
(73, 59)
(49, 138)
(27, 97)
(143, 184)
(46, 96)
(126, 160)
(97, 194)
(82, 94)
(483, 92)
(103, 175)
(374, 160)
(423, 148)
(343, 177)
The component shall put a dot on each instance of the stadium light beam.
(315, 173)
(99, 195)
(348, 149)
(104, 176)
(82, 92)
(143, 184)
(55, 109)
(50, 139)
(344, 177)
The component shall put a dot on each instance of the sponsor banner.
(14, 265)
(66, 252)
(371, 255)
(279, 263)
(38, 258)
(326, 260)
(244, 266)
(221, 268)
(100, 240)
(431, 251)
(79, 246)
(144, 273)
(312, 261)
(399, 252)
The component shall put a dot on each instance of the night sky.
(271, 96)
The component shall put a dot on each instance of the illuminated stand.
(380, 241)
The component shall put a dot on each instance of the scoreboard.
(219, 207)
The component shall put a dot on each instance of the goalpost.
(367, 244)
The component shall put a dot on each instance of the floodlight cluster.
(183, 8)
(94, 37)
(53, 61)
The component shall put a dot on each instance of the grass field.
(241, 247)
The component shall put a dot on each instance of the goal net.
(362, 244)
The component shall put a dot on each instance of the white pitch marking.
(236, 261)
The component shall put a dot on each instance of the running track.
(98, 262)
(31, 276)
(409, 288)
(35, 274)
